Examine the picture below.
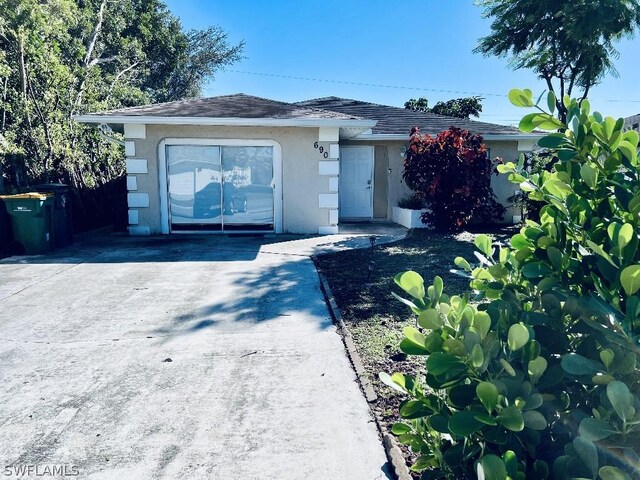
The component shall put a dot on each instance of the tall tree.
(569, 44)
(457, 107)
(63, 57)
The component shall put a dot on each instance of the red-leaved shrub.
(452, 173)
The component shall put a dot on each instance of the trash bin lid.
(27, 196)
(51, 186)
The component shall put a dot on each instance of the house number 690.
(321, 149)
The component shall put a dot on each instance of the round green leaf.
(488, 394)
(536, 270)
(440, 363)
(439, 423)
(464, 423)
(625, 235)
(521, 98)
(461, 396)
(575, 364)
(517, 337)
(482, 323)
(594, 429)
(611, 473)
(519, 241)
(555, 256)
(410, 348)
(438, 285)
(620, 398)
(587, 452)
(430, 319)
(537, 367)
(462, 263)
(553, 140)
(511, 462)
(589, 174)
(607, 357)
(630, 279)
(511, 418)
(400, 429)
(388, 381)
(534, 419)
(491, 467)
(412, 283)
(477, 356)
(508, 368)
(483, 243)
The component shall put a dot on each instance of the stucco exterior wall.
(380, 181)
(396, 188)
(502, 187)
(302, 184)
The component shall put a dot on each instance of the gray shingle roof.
(632, 122)
(399, 121)
(230, 106)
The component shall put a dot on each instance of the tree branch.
(119, 75)
(87, 58)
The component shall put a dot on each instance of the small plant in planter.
(411, 202)
(452, 174)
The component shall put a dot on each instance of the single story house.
(242, 163)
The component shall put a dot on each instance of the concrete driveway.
(178, 358)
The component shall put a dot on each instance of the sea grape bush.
(452, 173)
(539, 379)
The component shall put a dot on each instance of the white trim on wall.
(135, 131)
(136, 165)
(223, 142)
(129, 148)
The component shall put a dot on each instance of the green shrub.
(413, 202)
(540, 379)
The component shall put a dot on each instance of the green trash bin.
(6, 235)
(31, 221)
(62, 222)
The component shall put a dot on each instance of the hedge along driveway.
(190, 358)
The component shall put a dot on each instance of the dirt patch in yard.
(362, 282)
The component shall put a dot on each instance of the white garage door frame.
(223, 142)
(343, 179)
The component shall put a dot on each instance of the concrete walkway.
(179, 358)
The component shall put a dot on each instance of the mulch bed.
(362, 282)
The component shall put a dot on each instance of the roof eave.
(486, 136)
(214, 121)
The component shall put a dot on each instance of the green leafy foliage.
(61, 58)
(534, 374)
(457, 107)
(567, 44)
(452, 173)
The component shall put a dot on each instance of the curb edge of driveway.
(393, 452)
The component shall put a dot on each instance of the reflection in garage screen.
(220, 188)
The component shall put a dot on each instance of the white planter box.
(408, 218)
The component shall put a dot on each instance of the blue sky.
(369, 50)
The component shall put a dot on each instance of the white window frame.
(222, 142)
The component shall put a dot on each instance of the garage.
(220, 186)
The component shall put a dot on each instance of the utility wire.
(362, 84)
(397, 87)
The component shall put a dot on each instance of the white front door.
(356, 182)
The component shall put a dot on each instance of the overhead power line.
(362, 84)
(397, 87)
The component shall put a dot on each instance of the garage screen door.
(220, 188)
